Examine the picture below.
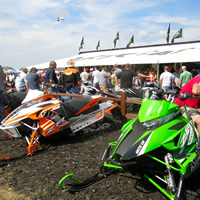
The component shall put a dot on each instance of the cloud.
(30, 33)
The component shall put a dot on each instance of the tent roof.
(152, 54)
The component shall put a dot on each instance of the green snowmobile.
(160, 144)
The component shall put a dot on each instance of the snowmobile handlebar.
(54, 85)
(184, 96)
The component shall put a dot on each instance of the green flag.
(98, 45)
(130, 41)
(81, 44)
(115, 40)
(168, 33)
(178, 34)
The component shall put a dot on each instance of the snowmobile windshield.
(159, 121)
(32, 102)
(159, 110)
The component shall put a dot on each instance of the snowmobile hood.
(136, 140)
(152, 109)
(28, 109)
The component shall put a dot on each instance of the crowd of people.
(102, 78)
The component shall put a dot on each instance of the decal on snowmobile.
(188, 135)
(140, 147)
(50, 129)
(60, 122)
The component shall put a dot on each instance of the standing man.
(103, 75)
(184, 77)
(33, 80)
(50, 76)
(126, 77)
(71, 79)
(2, 89)
(95, 75)
(117, 71)
(20, 81)
(84, 76)
(166, 79)
(177, 73)
(90, 77)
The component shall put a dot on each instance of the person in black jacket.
(71, 79)
(126, 77)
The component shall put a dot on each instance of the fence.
(123, 101)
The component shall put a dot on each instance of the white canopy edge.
(153, 54)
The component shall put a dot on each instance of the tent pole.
(158, 72)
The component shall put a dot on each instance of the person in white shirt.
(12, 79)
(20, 81)
(166, 80)
(84, 76)
(95, 75)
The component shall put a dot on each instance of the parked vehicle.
(46, 115)
(160, 144)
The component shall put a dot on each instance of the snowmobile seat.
(73, 106)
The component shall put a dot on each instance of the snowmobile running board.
(78, 184)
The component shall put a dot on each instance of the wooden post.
(123, 107)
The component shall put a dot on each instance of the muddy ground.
(36, 177)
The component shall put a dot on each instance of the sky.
(30, 33)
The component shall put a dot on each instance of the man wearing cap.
(20, 81)
(71, 79)
(33, 80)
(184, 77)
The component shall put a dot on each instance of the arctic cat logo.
(50, 129)
(55, 107)
(140, 147)
(61, 122)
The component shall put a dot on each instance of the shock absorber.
(170, 178)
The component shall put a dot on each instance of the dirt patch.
(36, 177)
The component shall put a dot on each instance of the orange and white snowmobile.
(47, 115)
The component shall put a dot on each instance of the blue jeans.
(73, 90)
(56, 90)
(2, 115)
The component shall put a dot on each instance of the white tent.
(152, 54)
